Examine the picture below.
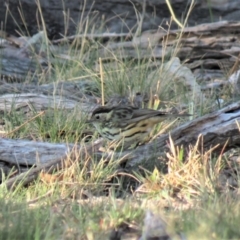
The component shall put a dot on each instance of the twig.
(101, 75)
(28, 121)
(173, 14)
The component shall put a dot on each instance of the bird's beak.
(89, 121)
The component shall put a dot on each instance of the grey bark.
(219, 130)
(114, 16)
(209, 48)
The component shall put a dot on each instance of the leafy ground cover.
(194, 196)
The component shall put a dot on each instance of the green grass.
(91, 197)
(212, 218)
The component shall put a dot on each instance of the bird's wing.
(148, 112)
(144, 114)
(123, 113)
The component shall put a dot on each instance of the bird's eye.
(97, 117)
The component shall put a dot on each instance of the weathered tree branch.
(218, 128)
(211, 47)
(40, 156)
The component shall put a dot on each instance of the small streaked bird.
(127, 123)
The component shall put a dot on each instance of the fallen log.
(219, 128)
(38, 157)
(28, 101)
(206, 47)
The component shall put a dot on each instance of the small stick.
(101, 76)
(17, 128)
